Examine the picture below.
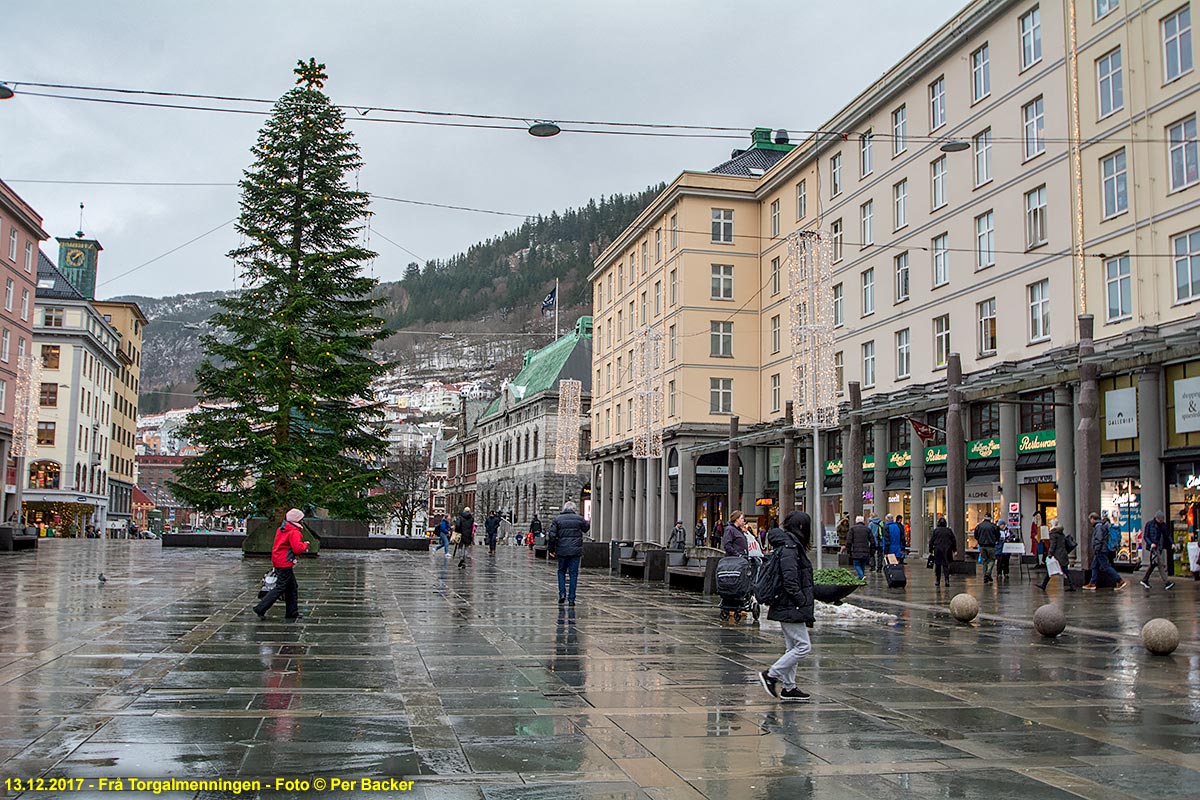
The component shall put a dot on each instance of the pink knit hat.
(295, 515)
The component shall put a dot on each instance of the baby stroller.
(735, 585)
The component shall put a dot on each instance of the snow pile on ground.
(847, 612)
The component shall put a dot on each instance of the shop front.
(982, 494)
(712, 491)
(1181, 456)
(899, 495)
(934, 501)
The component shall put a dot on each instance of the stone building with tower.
(1022, 168)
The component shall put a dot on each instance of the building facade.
(130, 323)
(1020, 168)
(155, 475)
(20, 237)
(518, 434)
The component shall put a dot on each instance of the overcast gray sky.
(785, 64)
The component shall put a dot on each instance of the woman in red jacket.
(288, 545)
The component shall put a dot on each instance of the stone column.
(639, 501)
(654, 530)
(880, 488)
(733, 500)
(787, 465)
(687, 492)
(666, 506)
(1010, 490)
(629, 529)
(617, 525)
(1087, 435)
(844, 433)
(597, 502)
(916, 488)
(750, 479)
(956, 454)
(852, 471)
(610, 500)
(1064, 459)
(1150, 443)
(814, 479)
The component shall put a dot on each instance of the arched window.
(45, 475)
(535, 443)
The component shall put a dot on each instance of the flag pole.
(556, 309)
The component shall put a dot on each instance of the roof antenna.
(79, 233)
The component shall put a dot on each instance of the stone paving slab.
(476, 684)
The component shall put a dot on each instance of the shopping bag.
(455, 537)
(1053, 567)
(1194, 556)
(268, 583)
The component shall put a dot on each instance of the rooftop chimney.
(781, 136)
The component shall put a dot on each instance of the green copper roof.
(543, 368)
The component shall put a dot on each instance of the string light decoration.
(648, 397)
(26, 405)
(814, 382)
(566, 446)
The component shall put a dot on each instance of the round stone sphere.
(1049, 620)
(1160, 636)
(964, 607)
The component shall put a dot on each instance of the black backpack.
(1071, 542)
(768, 586)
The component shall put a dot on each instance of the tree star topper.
(311, 73)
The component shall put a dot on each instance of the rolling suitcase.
(894, 574)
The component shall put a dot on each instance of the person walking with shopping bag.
(288, 544)
(1058, 558)
(1155, 539)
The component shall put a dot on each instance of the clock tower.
(77, 262)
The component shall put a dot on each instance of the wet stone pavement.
(476, 684)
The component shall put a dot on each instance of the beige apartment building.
(947, 191)
(130, 324)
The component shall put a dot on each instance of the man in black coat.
(535, 528)
(793, 609)
(566, 544)
(491, 527)
(858, 545)
(987, 535)
(943, 546)
(464, 525)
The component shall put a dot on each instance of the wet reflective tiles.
(477, 684)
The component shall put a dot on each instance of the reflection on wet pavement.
(478, 685)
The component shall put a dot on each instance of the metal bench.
(694, 566)
(18, 537)
(645, 560)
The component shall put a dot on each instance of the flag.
(549, 300)
(924, 432)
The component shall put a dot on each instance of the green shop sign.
(869, 462)
(833, 467)
(983, 448)
(899, 459)
(936, 455)
(1038, 442)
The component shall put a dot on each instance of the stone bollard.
(1160, 636)
(1049, 620)
(964, 607)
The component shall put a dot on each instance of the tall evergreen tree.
(287, 417)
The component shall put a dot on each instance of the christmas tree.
(287, 416)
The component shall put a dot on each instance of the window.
(53, 317)
(1035, 217)
(801, 200)
(835, 175)
(720, 395)
(1035, 128)
(835, 230)
(657, 245)
(775, 337)
(937, 178)
(620, 371)
(21, 347)
(903, 355)
(1177, 43)
(1039, 310)
(899, 130)
(645, 256)
(774, 217)
(941, 341)
(865, 162)
(9, 291)
(670, 398)
(868, 364)
(50, 356)
(985, 240)
(1181, 146)
(672, 341)
(629, 416)
(1031, 38)
(981, 74)
(49, 395)
(1037, 411)
(1108, 78)
(620, 279)
(985, 312)
(722, 282)
(645, 308)
(776, 277)
(720, 337)
(620, 325)
(941, 260)
(722, 225)
(866, 228)
(868, 292)
(937, 104)
(1185, 250)
(839, 371)
(775, 392)
(5, 345)
(632, 279)
(1112, 173)
(658, 306)
(839, 305)
(45, 433)
(1104, 7)
(1117, 286)
(900, 204)
(901, 262)
(983, 157)
(12, 244)
(674, 288)
(29, 256)
(985, 420)
(674, 231)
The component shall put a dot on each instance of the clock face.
(75, 258)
